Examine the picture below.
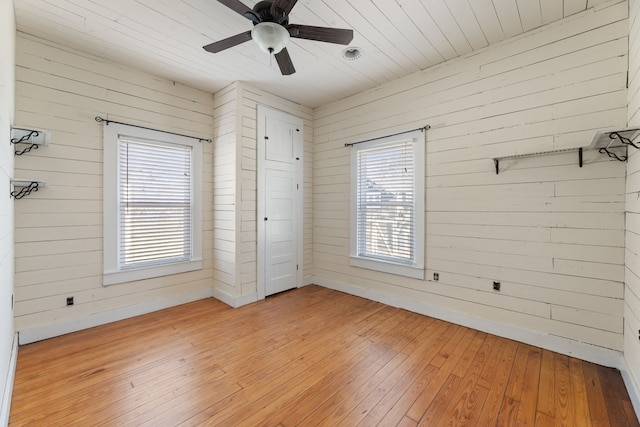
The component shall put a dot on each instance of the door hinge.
(297, 186)
(297, 267)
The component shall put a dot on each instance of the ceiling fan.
(272, 30)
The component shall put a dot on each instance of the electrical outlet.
(436, 277)
(496, 286)
(69, 300)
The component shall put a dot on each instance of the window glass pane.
(155, 203)
(385, 202)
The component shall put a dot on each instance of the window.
(152, 208)
(387, 204)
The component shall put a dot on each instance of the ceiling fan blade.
(232, 41)
(284, 62)
(322, 34)
(239, 7)
(283, 5)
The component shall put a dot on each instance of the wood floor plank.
(333, 410)
(516, 378)
(467, 358)
(544, 420)
(546, 388)
(335, 406)
(507, 413)
(420, 362)
(597, 404)
(495, 397)
(491, 363)
(427, 396)
(393, 382)
(472, 407)
(578, 397)
(458, 401)
(436, 413)
(563, 415)
(311, 356)
(278, 374)
(398, 412)
(610, 380)
(529, 396)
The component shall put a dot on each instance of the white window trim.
(416, 270)
(112, 274)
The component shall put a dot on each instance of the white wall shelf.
(497, 160)
(603, 141)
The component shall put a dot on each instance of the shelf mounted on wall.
(26, 135)
(497, 160)
(605, 142)
(23, 187)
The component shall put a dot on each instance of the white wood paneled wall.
(7, 67)
(552, 233)
(224, 190)
(235, 182)
(58, 230)
(632, 255)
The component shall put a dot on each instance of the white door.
(280, 148)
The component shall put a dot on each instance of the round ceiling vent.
(352, 53)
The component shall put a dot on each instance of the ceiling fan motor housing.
(265, 12)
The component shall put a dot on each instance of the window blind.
(155, 203)
(385, 202)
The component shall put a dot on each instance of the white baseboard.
(30, 335)
(232, 301)
(588, 352)
(8, 386)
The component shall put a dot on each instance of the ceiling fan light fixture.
(271, 37)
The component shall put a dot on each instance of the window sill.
(115, 277)
(388, 267)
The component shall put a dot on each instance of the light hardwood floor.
(309, 357)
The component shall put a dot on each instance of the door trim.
(263, 113)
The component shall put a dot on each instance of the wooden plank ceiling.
(398, 37)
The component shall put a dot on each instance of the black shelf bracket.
(617, 136)
(25, 140)
(34, 137)
(613, 155)
(22, 188)
(25, 191)
(606, 141)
